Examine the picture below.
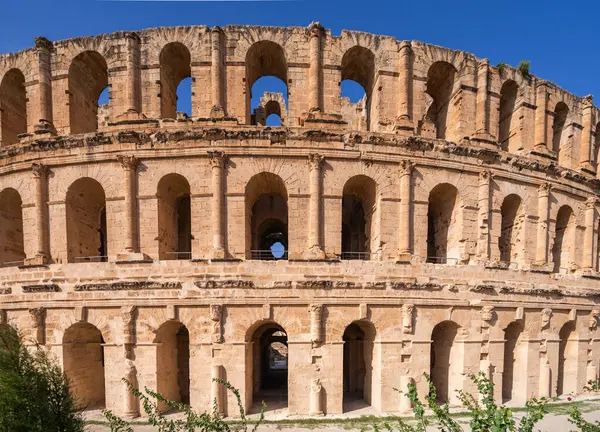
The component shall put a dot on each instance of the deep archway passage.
(173, 362)
(13, 112)
(511, 242)
(83, 363)
(515, 367)
(359, 207)
(567, 360)
(269, 366)
(358, 67)
(564, 240)
(507, 122)
(441, 113)
(443, 225)
(12, 250)
(174, 218)
(445, 361)
(175, 67)
(358, 365)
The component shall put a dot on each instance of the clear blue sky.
(561, 39)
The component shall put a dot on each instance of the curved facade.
(447, 223)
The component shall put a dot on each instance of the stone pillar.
(544, 391)
(216, 389)
(315, 72)
(405, 403)
(44, 49)
(483, 219)
(541, 255)
(541, 118)
(133, 98)
(316, 323)
(482, 112)
(129, 164)
(405, 100)
(588, 239)
(404, 241)
(37, 316)
(315, 251)
(217, 72)
(315, 402)
(130, 402)
(217, 162)
(42, 254)
(586, 159)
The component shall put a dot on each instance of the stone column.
(315, 251)
(44, 49)
(482, 112)
(541, 118)
(404, 241)
(42, 254)
(588, 240)
(217, 162)
(130, 402)
(586, 160)
(315, 72)
(129, 164)
(541, 256)
(316, 324)
(216, 389)
(217, 72)
(405, 403)
(315, 401)
(133, 98)
(404, 121)
(37, 316)
(483, 219)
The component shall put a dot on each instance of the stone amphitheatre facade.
(449, 223)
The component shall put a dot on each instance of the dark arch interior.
(14, 107)
(173, 362)
(560, 118)
(440, 84)
(174, 218)
(514, 368)
(442, 225)
(358, 207)
(175, 67)
(510, 229)
(357, 364)
(357, 81)
(508, 99)
(563, 240)
(12, 247)
(443, 376)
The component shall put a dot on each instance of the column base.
(404, 126)
(130, 415)
(218, 253)
(542, 152)
(587, 168)
(485, 139)
(38, 260)
(132, 257)
(319, 120)
(404, 258)
(314, 253)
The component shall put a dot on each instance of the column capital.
(217, 158)
(315, 308)
(485, 176)
(405, 45)
(483, 63)
(315, 160)
(406, 167)
(217, 29)
(588, 101)
(544, 189)
(134, 36)
(128, 162)
(315, 29)
(40, 171)
(591, 202)
(37, 316)
(42, 42)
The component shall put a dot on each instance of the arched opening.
(266, 72)
(356, 87)
(510, 241)
(445, 361)
(175, 67)
(507, 128)
(13, 107)
(359, 205)
(596, 141)
(83, 363)
(358, 365)
(173, 362)
(266, 218)
(567, 360)
(558, 127)
(441, 113)
(86, 221)
(564, 237)
(273, 113)
(174, 218)
(269, 366)
(443, 225)
(12, 251)
(88, 78)
(515, 367)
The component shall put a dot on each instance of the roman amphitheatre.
(446, 223)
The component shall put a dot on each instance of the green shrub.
(576, 418)
(523, 68)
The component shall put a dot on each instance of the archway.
(441, 78)
(514, 362)
(358, 365)
(88, 77)
(510, 241)
(443, 225)
(83, 363)
(86, 221)
(358, 69)
(174, 218)
(507, 128)
(173, 362)
(13, 113)
(445, 361)
(359, 208)
(567, 360)
(558, 128)
(563, 240)
(175, 67)
(12, 250)
(269, 366)
(266, 218)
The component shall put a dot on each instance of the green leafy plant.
(523, 68)
(501, 67)
(576, 418)
(192, 421)
(593, 385)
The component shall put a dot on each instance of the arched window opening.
(596, 148)
(173, 362)
(567, 360)
(13, 107)
(564, 237)
(510, 241)
(175, 67)
(558, 128)
(12, 250)
(359, 205)
(271, 110)
(86, 220)
(104, 113)
(266, 72)
(174, 218)
(88, 78)
(507, 127)
(269, 357)
(83, 363)
(440, 113)
(443, 225)
(267, 218)
(356, 86)
(358, 358)
(445, 362)
(515, 366)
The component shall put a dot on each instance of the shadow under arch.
(173, 362)
(359, 217)
(14, 106)
(12, 246)
(445, 361)
(359, 337)
(175, 66)
(444, 225)
(358, 65)
(174, 218)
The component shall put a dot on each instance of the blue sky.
(560, 39)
